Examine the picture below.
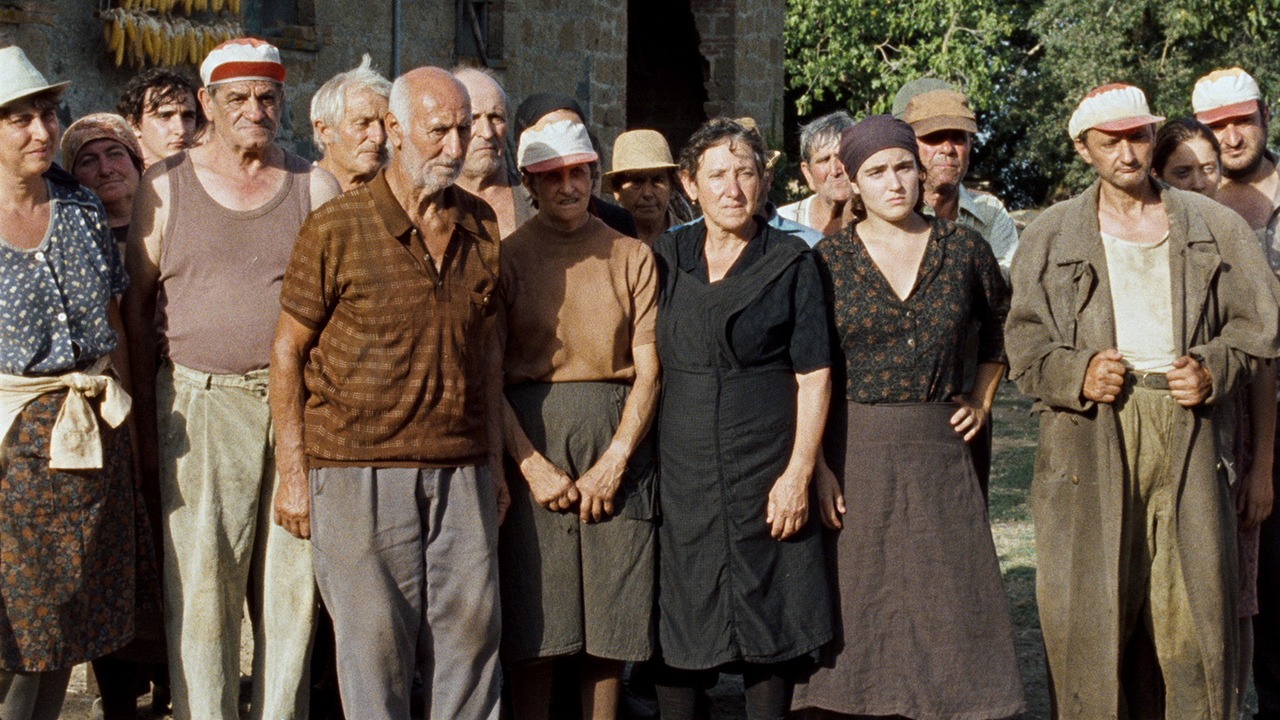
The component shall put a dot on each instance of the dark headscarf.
(871, 135)
(539, 104)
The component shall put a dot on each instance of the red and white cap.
(1114, 107)
(556, 145)
(1225, 94)
(242, 59)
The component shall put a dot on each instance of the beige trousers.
(1153, 590)
(217, 481)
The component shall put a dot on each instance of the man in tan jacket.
(1136, 313)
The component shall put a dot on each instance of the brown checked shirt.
(397, 376)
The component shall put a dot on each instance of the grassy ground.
(1012, 464)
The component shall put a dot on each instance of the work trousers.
(1153, 590)
(406, 561)
(217, 483)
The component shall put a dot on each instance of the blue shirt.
(53, 298)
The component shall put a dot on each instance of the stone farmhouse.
(661, 64)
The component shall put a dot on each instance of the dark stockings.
(768, 690)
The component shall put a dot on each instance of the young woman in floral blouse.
(926, 632)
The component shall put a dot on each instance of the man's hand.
(830, 495)
(1254, 498)
(788, 508)
(1104, 377)
(551, 487)
(598, 486)
(1189, 383)
(292, 503)
(501, 494)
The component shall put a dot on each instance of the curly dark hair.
(712, 133)
(168, 87)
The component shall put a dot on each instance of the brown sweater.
(576, 303)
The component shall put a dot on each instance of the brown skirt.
(925, 629)
(76, 561)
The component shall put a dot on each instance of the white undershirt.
(1142, 302)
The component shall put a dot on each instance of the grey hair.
(822, 132)
(329, 103)
(459, 69)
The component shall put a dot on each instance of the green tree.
(1024, 64)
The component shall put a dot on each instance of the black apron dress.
(727, 590)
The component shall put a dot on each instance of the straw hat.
(640, 150)
(19, 78)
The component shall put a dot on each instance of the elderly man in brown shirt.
(385, 391)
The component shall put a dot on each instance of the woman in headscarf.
(925, 628)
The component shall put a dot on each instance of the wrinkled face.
(888, 184)
(1243, 141)
(166, 128)
(826, 175)
(245, 113)
(727, 184)
(1193, 166)
(28, 139)
(488, 127)
(563, 194)
(357, 144)
(644, 193)
(945, 155)
(431, 146)
(1122, 159)
(106, 168)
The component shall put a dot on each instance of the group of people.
(490, 406)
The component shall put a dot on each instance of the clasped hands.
(1189, 382)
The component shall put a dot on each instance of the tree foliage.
(1024, 65)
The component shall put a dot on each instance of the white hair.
(329, 103)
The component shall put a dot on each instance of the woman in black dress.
(926, 631)
(744, 346)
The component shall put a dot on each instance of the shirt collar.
(396, 220)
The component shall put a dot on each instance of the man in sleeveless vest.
(212, 231)
(1137, 312)
(386, 392)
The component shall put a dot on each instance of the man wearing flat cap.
(1136, 314)
(944, 127)
(211, 236)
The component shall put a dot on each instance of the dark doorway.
(666, 74)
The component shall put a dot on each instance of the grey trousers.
(406, 561)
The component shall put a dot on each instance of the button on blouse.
(53, 298)
(912, 350)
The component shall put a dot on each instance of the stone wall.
(576, 47)
(579, 48)
(742, 43)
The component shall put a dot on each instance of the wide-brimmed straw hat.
(640, 150)
(19, 78)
